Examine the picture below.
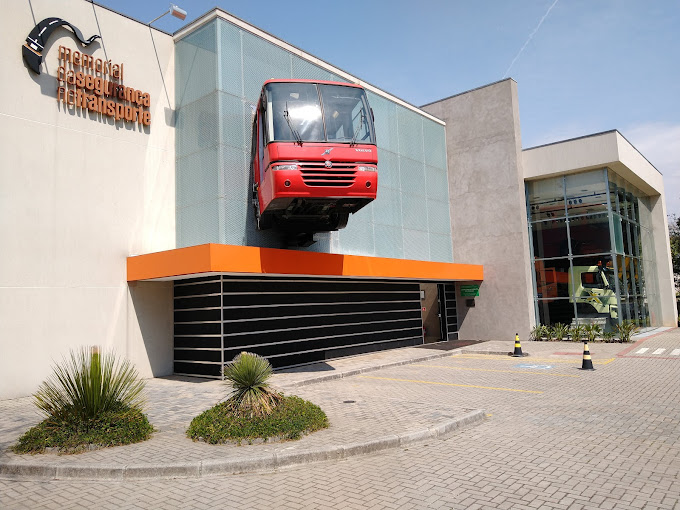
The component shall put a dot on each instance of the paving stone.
(603, 439)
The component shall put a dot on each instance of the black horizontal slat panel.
(198, 328)
(198, 302)
(198, 369)
(352, 297)
(263, 312)
(291, 320)
(197, 289)
(316, 332)
(198, 355)
(256, 287)
(199, 342)
(197, 315)
(316, 320)
(189, 281)
(324, 343)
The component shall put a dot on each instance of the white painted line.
(658, 351)
(643, 350)
(676, 352)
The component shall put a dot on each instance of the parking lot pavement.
(555, 437)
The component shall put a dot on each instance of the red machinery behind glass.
(314, 157)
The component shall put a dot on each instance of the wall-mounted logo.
(36, 40)
(85, 82)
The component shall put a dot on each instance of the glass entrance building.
(591, 256)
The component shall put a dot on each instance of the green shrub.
(548, 333)
(91, 399)
(592, 331)
(88, 384)
(626, 330)
(559, 331)
(248, 376)
(577, 332)
(537, 333)
(109, 428)
(608, 336)
(290, 419)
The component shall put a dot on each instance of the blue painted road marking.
(535, 367)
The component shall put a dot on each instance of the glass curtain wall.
(586, 238)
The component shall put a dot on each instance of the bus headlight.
(367, 169)
(284, 167)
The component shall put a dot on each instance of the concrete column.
(667, 310)
(488, 208)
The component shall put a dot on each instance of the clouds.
(659, 142)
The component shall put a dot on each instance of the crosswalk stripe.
(676, 352)
(643, 350)
(658, 351)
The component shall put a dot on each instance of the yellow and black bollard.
(587, 361)
(517, 353)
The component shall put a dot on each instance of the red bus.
(314, 157)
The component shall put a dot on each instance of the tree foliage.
(674, 231)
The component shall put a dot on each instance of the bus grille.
(316, 174)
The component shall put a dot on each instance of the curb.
(493, 353)
(349, 373)
(22, 470)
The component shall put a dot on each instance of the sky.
(582, 66)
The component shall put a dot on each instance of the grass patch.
(290, 419)
(74, 435)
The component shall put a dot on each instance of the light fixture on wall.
(175, 11)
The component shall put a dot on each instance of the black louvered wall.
(290, 321)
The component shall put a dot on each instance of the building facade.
(128, 218)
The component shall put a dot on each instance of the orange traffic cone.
(587, 361)
(517, 353)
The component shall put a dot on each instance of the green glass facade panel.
(437, 186)
(410, 126)
(414, 212)
(261, 61)
(414, 242)
(198, 222)
(234, 130)
(220, 70)
(434, 136)
(411, 177)
(196, 65)
(388, 176)
(438, 220)
(197, 177)
(230, 49)
(388, 210)
(386, 125)
(198, 125)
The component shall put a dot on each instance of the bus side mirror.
(372, 115)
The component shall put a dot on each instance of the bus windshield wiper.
(296, 135)
(356, 132)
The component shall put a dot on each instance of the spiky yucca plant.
(559, 331)
(248, 376)
(626, 330)
(577, 332)
(592, 331)
(90, 383)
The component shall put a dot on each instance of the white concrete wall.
(78, 194)
(488, 208)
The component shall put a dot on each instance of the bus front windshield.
(307, 112)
